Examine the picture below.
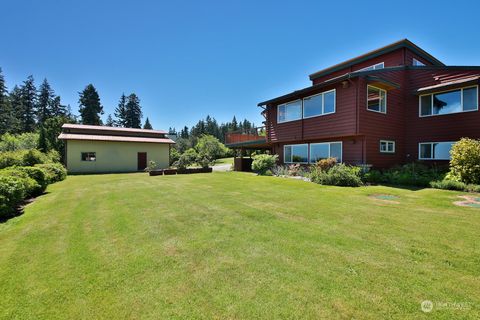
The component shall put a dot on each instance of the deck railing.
(246, 135)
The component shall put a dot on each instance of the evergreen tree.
(29, 101)
(121, 111)
(234, 125)
(59, 110)
(90, 108)
(133, 112)
(42, 140)
(184, 133)
(46, 97)
(16, 103)
(7, 115)
(110, 122)
(147, 125)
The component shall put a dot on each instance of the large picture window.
(295, 153)
(376, 99)
(434, 150)
(289, 111)
(454, 101)
(319, 104)
(89, 156)
(319, 151)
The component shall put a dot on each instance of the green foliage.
(24, 141)
(174, 155)
(411, 174)
(33, 157)
(186, 159)
(90, 108)
(465, 161)
(133, 112)
(326, 164)
(46, 96)
(264, 162)
(12, 193)
(54, 172)
(448, 185)
(147, 124)
(203, 160)
(152, 165)
(338, 175)
(210, 147)
(27, 113)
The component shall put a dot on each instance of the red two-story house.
(393, 105)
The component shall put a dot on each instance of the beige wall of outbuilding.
(113, 156)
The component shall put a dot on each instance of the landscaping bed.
(159, 172)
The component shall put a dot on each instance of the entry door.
(141, 161)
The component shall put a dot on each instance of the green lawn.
(224, 161)
(234, 245)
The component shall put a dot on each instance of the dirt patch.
(468, 201)
(385, 198)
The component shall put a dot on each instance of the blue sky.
(187, 59)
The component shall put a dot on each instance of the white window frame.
(431, 150)
(88, 156)
(417, 63)
(289, 102)
(438, 92)
(323, 104)
(298, 145)
(329, 149)
(386, 104)
(392, 142)
(375, 67)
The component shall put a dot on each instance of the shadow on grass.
(20, 209)
(398, 186)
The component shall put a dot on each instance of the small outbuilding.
(102, 149)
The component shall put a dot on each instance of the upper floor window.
(380, 65)
(289, 111)
(417, 63)
(89, 156)
(376, 99)
(434, 150)
(319, 104)
(454, 101)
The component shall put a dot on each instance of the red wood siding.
(449, 127)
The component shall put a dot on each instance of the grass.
(224, 161)
(234, 245)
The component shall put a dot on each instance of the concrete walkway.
(222, 167)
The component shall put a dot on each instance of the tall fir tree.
(133, 112)
(58, 109)
(184, 133)
(7, 114)
(121, 111)
(16, 103)
(234, 125)
(29, 101)
(46, 98)
(110, 122)
(147, 125)
(90, 107)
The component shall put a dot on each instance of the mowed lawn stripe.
(234, 245)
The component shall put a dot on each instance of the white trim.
(370, 86)
(292, 145)
(387, 142)
(444, 91)
(290, 102)
(374, 66)
(431, 150)
(329, 149)
(323, 104)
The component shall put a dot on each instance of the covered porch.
(245, 142)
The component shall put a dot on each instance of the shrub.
(174, 155)
(30, 186)
(186, 159)
(39, 175)
(326, 164)
(411, 174)
(33, 157)
(24, 141)
(465, 161)
(12, 193)
(374, 176)
(448, 185)
(338, 175)
(263, 162)
(279, 171)
(54, 172)
(203, 160)
(11, 158)
(210, 147)
(152, 165)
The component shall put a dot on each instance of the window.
(377, 99)
(319, 104)
(434, 150)
(319, 151)
(377, 66)
(387, 146)
(290, 111)
(454, 101)
(89, 156)
(296, 153)
(417, 63)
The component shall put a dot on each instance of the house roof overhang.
(92, 137)
(404, 43)
(454, 84)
